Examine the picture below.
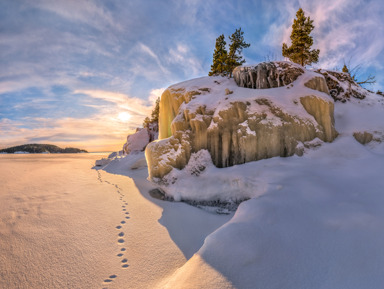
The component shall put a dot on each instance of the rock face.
(341, 86)
(244, 126)
(363, 137)
(267, 75)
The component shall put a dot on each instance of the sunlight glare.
(124, 116)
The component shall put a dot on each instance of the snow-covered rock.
(341, 86)
(102, 162)
(136, 142)
(116, 154)
(267, 74)
(246, 125)
(363, 137)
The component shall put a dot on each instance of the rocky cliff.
(341, 86)
(238, 124)
(266, 75)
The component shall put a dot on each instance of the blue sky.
(86, 73)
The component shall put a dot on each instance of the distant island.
(41, 148)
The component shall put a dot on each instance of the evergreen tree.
(235, 48)
(153, 122)
(146, 122)
(299, 52)
(156, 111)
(219, 57)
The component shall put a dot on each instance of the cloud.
(114, 56)
(108, 131)
(88, 12)
(120, 101)
(155, 94)
(182, 57)
(67, 132)
(343, 29)
(147, 50)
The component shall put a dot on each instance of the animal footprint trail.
(119, 227)
(99, 177)
(110, 279)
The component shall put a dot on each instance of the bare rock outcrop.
(341, 86)
(244, 126)
(267, 74)
(363, 137)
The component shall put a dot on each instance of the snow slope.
(315, 221)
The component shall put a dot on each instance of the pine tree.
(299, 52)
(235, 48)
(146, 122)
(219, 57)
(156, 111)
(153, 122)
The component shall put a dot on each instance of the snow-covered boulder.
(137, 142)
(363, 137)
(102, 162)
(116, 154)
(243, 126)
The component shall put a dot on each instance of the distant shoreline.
(40, 149)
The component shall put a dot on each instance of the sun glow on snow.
(124, 116)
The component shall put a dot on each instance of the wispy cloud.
(182, 56)
(67, 132)
(343, 29)
(88, 12)
(144, 48)
(120, 101)
(112, 57)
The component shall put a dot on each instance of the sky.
(86, 73)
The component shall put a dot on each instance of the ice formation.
(243, 126)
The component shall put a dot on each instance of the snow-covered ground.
(315, 221)
(66, 225)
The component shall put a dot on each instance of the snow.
(315, 221)
(64, 224)
(137, 142)
(318, 223)
(216, 100)
(102, 162)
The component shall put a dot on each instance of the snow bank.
(315, 222)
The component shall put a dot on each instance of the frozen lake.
(66, 225)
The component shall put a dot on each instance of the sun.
(124, 116)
